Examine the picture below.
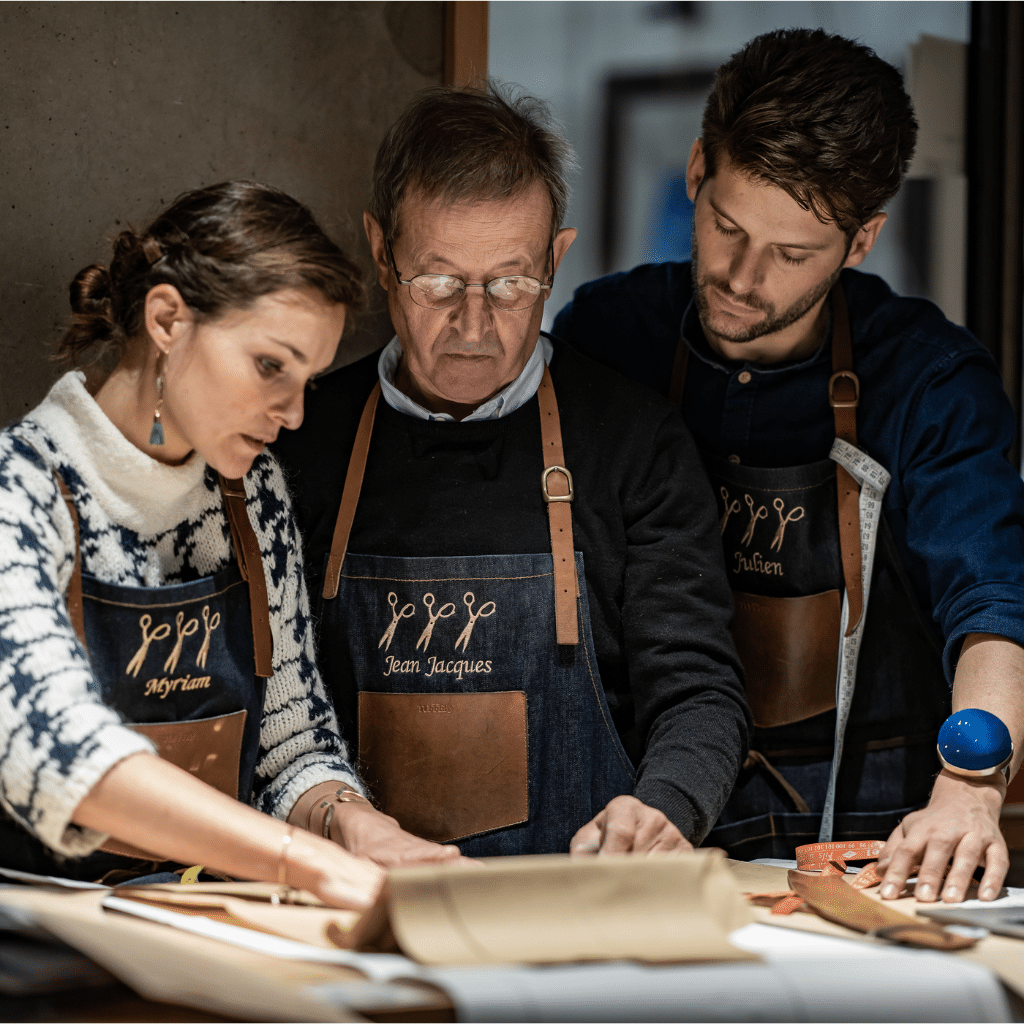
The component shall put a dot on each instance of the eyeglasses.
(439, 291)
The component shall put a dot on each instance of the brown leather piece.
(837, 900)
(559, 516)
(208, 748)
(350, 494)
(250, 560)
(789, 647)
(446, 765)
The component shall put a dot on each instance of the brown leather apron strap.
(75, 611)
(677, 382)
(843, 396)
(350, 494)
(756, 758)
(557, 490)
(250, 562)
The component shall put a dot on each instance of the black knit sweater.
(643, 517)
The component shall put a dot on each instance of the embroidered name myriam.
(162, 687)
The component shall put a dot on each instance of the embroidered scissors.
(730, 507)
(761, 513)
(190, 627)
(446, 611)
(407, 612)
(210, 623)
(794, 515)
(486, 610)
(160, 633)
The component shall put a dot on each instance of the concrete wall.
(110, 110)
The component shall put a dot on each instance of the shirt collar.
(510, 398)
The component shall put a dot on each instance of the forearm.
(990, 676)
(149, 803)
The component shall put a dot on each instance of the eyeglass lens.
(436, 291)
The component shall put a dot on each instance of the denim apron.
(473, 681)
(177, 663)
(843, 670)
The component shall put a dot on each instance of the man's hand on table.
(628, 826)
(960, 823)
(363, 830)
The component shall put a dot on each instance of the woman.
(143, 581)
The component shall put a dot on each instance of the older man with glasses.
(524, 617)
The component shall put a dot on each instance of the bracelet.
(345, 795)
(285, 895)
(975, 744)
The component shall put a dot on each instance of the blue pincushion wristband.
(975, 743)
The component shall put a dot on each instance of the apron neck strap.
(843, 396)
(350, 495)
(250, 562)
(556, 489)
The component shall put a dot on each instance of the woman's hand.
(156, 806)
(366, 832)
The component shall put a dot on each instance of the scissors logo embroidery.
(486, 610)
(446, 611)
(730, 507)
(761, 513)
(160, 633)
(189, 628)
(794, 515)
(407, 612)
(210, 623)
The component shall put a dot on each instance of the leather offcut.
(789, 647)
(446, 765)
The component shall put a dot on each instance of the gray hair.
(470, 145)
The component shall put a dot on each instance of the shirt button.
(735, 459)
(744, 377)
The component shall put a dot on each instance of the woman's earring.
(156, 434)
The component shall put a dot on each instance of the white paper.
(377, 966)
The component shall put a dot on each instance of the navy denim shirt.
(932, 411)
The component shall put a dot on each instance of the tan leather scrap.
(788, 649)
(208, 748)
(446, 765)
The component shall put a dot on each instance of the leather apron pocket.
(208, 748)
(789, 647)
(446, 765)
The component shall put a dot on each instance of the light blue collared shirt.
(510, 398)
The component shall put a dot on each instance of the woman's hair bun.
(90, 291)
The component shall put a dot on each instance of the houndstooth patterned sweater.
(141, 524)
